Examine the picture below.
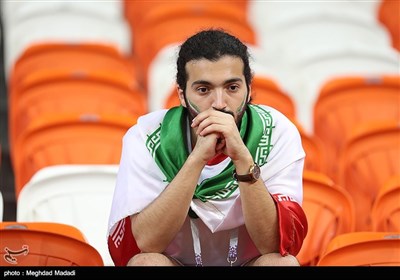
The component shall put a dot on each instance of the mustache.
(224, 111)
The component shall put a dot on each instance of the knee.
(276, 259)
(149, 259)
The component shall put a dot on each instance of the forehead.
(226, 67)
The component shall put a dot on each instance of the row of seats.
(55, 244)
(331, 211)
(54, 191)
(72, 94)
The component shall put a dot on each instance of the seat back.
(267, 92)
(78, 58)
(68, 139)
(385, 213)
(346, 102)
(77, 195)
(64, 26)
(43, 94)
(363, 249)
(185, 19)
(330, 212)
(45, 244)
(370, 157)
(313, 148)
(388, 15)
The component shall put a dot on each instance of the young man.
(216, 181)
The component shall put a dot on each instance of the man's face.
(218, 84)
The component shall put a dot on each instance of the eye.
(233, 88)
(202, 90)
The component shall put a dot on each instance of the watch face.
(256, 171)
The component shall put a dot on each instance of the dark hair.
(211, 44)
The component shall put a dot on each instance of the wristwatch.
(252, 176)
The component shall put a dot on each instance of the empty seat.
(75, 57)
(77, 195)
(45, 244)
(369, 158)
(136, 11)
(346, 102)
(315, 153)
(68, 139)
(389, 16)
(44, 93)
(185, 18)
(330, 212)
(64, 26)
(385, 213)
(363, 249)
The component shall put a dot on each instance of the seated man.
(216, 181)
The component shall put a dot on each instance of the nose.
(219, 99)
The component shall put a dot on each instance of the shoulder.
(278, 119)
(152, 117)
(147, 123)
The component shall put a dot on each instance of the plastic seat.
(185, 18)
(15, 11)
(346, 102)
(64, 26)
(78, 195)
(315, 153)
(330, 212)
(136, 11)
(68, 139)
(45, 244)
(369, 159)
(279, 16)
(75, 57)
(389, 16)
(266, 91)
(363, 249)
(45, 93)
(385, 213)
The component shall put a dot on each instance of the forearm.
(259, 210)
(156, 226)
(260, 216)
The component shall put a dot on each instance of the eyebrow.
(204, 82)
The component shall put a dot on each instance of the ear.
(181, 96)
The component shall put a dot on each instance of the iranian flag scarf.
(170, 152)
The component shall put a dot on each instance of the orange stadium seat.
(363, 249)
(68, 139)
(346, 102)
(315, 154)
(136, 11)
(266, 91)
(389, 16)
(385, 213)
(45, 244)
(45, 93)
(330, 212)
(74, 57)
(369, 159)
(76, 194)
(174, 22)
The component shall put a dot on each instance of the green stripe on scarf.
(167, 145)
